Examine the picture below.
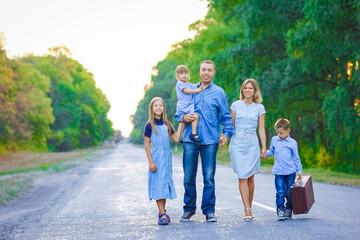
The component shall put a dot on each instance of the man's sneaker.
(280, 215)
(186, 216)
(288, 214)
(211, 217)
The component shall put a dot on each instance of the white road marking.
(263, 206)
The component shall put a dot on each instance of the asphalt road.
(108, 199)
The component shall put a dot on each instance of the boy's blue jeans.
(190, 165)
(282, 185)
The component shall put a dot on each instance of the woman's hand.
(263, 154)
(152, 167)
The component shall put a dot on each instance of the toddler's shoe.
(288, 214)
(195, 138)
(280, 215)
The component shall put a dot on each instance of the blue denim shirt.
(212, 107)
(286, 155)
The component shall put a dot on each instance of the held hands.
(263, 154)
(300, 176)
(152, 167)
(223, 140)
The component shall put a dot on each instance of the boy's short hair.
(282, 123)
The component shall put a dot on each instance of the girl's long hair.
(257, 94)
(151, 119)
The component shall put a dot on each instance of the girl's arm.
(262, 134)
(175, 137)
(152, 165)
(192, 91)
(233, 115)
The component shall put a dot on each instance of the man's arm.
(225, 117)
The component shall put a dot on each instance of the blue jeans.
(282, 185)
(190, 166)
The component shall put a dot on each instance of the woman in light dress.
(248, 114)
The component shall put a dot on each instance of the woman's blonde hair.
(181, 69)
(151, 119)
(257, 94)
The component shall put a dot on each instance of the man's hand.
(223, 140)
(188, 118)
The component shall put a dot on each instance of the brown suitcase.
(302, 195)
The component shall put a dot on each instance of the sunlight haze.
(118, 41)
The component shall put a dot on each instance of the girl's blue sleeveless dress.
(161, 184)
(244, 146)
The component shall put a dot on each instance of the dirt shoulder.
(19, 170)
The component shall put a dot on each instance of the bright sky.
(119, 41)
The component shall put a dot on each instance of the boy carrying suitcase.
(286, 164)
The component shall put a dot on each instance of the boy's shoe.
(181, 141)
(186, 216)
(288, 214)
(195, 138)
(211, 217)
(280, 215)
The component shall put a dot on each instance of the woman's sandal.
(163, 221)
(248, 218)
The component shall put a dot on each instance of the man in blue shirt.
(213, 110)
(286, 164)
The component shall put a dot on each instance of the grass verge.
(19, 170)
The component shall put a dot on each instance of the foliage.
(25, 109)
(50, 102)
(304, 54)
(80, 109)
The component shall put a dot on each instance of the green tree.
(80, 109)
(25, 112)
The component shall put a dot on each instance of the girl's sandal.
(163, 221)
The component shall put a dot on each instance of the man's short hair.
(208, 62)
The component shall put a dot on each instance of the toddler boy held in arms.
(286, 164)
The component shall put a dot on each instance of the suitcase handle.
(298, 181)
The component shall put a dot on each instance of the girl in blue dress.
(185, 104)
(157, 132)
(248, 114)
